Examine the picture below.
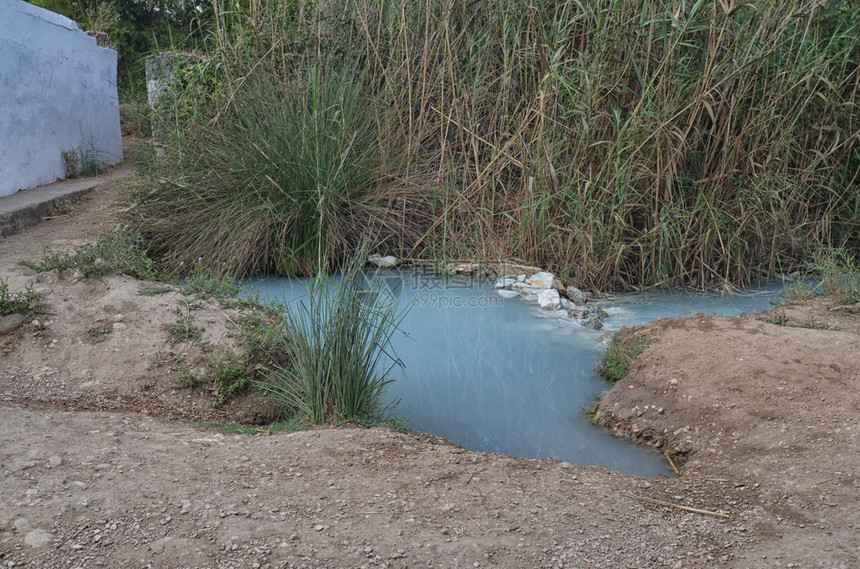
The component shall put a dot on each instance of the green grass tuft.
(340, 347)
(839, 271)
(779, 318)
(183, 331)
(615, 361)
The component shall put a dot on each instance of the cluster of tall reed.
(621, 144)
(340, 348)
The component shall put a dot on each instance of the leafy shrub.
(12, 302)
(117, 251)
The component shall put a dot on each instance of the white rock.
(463, 268)
(38, 538)
(549, 299)
(505, 293)
(526, 289)
(506, 281)
(542, 280)
(386, 262)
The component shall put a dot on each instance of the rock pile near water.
(545, 290)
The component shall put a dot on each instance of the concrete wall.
(57, 92)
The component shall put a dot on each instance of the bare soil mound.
(103, 462)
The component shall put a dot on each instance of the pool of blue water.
(501, 375)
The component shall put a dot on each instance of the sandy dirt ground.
(104, 462)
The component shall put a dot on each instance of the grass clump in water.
(340, 350)
(839, 272)
(615, 361)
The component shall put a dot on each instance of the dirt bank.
(103, 465)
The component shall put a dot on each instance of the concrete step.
(29, 207)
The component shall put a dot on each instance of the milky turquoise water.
(499, 375)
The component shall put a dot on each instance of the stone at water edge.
(386, 262)
(591, 322)
(588, 317)
(576, 295)
(506, 281)
(505, 293)
(549, 299)
(542, 280)
(463, 268)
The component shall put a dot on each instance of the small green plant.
(797, 291)
(116, 251)
(204, 284)
(230, 375)
(813, 324)
(99, 331)
(84, 161)
(154, 290)
(341, 351)
(16, 302)
(93, 162)
(62, 207)
(779, 318)
(183, 330)
(185, 378)
(615, 361)
(260, 335)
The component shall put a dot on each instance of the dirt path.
(100, 467)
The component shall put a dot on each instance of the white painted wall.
(57, 92)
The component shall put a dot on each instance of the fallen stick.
(672, 464)
(678, 506)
